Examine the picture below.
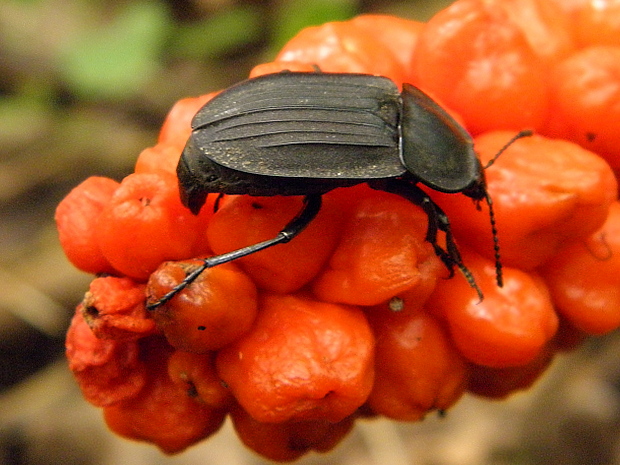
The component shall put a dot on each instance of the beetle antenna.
(499, 275)
(498, 262)
(519, 135)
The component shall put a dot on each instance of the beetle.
(294, 133)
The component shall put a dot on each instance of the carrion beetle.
(294, 133)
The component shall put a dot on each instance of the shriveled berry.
(196, 373)
(289, 440)
(106, 370)
(114, 309)
(163, 413)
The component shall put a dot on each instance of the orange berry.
(398, 35)
(598, 23)
(163, 413)
(177, 126)
(77, 216)
(584, 278)
(279, 66)
(215, 310)
(284, 268)
(145, 224)
(585, 90)
(509, 327)
(417, 367)
(302, 360)
(341, 47)
(106, 370)
(479, 63)
(545, 25)
(545, 192)
(382, 252)
(160, 157)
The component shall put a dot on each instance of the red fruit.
(177, 126)
(417, 367)
(473, 58)
(509, 327)
(341, 47)
(114, 309)
(216, 309)
(145, 224)
(302, 360)
(382, 253)
(287, 441)
(584, 278)
(106, 370)
(77, 218)
(196, 374)
(284, 268)
(163, 413)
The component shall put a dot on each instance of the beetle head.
(198, 176)
(193, 192)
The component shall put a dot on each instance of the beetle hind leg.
(312, 205)
(437, 221)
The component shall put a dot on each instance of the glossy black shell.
(303, 133)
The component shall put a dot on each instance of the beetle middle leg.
(437, 221)
(312, 205)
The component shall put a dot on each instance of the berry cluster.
(355, 317)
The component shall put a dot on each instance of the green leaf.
(219, 34)
(117, 59)
(294, 15)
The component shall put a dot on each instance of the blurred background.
(84, 87)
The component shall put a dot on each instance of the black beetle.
(308, 133)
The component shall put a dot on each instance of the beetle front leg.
(312, 205)
(437, 221)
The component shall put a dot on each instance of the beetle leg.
(216, 204)
(437, 221)
(312, 205)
